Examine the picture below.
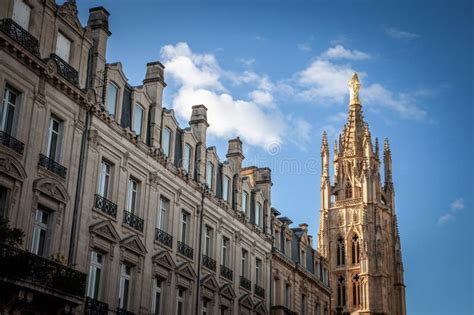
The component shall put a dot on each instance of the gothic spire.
(325, 156)
(387, 161)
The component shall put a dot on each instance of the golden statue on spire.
(354, 87)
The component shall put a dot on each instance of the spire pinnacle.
(354, 87)
(324, 144)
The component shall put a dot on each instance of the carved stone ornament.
(51, 68)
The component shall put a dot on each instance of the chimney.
(154, 85)
(98, 23)
(303, 226)
(199, 127)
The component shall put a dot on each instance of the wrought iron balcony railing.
(133, 221)
(245, 283)
(52, 166)
(259, 291)
(163, 237)
(227, 272)
(185, 250)
(65, 70)
(105, 205)
(11, 142)
(121, 311)
(208, 262)
(96, 307)
(17, 264)
(20, 35)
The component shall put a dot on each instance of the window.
(205, 304)
(287, 295)
(245, 199)
(258, 271)
(318, 308)
(180, 301)
(340, 251)
(243, 271)
(104, 179)
(137, 119)
(166, 141)
(210, 175)
(258, 215)
(184, 227)
(208, 241)
(21, 13)
(303, 304)
(156, 298)
(7, 110)
(225, 251)
(40, 232)
(303, 258)
(54, 138)
(112, 98)
(162, 214)
(355, 249)
(3, 201)
(63, 47)
(225, 188)
(277, 238)
(187, 158)
(124, 285)
(288, 247)
(94, 275)
(132, 195)
(224, 310)
(356, 291)
(341, 292)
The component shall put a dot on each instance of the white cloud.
(456, 205)
(399, 34)
(246, 62)
(340, 52)
(200, 80)
(305, 46)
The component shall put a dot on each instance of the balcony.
(65, 70)
(96, 307)
(121, 311)
(208, 262)
(20, 35)
(259, 291)
(52, 165)
(133, 221)
(227, 272)
(105, 205)
(22, 265)
(11, 142)
(282, 310)
(245, 283)
(164, 238)
(185, 250)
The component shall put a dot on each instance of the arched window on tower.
(356, 290)
(355, 249)
(348, 191)
(340, 252)
(341, 291)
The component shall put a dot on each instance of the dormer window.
(63, 47)
(187, 158)
(225, 188)
(112, 98)
(21, 14)
(166, 141)
(258, 214)
(245, 198)
(137, 119)
(210, 175)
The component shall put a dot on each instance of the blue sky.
(276, 73)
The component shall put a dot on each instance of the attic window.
(63, 47)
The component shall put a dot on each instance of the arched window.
(341, 291)
(348, 191)
(355, 249)
(340, 251)
(356, 290)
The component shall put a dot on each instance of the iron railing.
(227, 272)
(208, 262)
(105, 205)
(20, 35)
(245, 283)
(121, 311)
(19, 264)
(52, 166)
(259, 291)
(185, 250)
(12, 143)
(96, 307)
(163, 237)
(65, 70)
(133, 221)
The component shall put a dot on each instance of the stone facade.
(124, 211)
(358, 224)
(300, 274)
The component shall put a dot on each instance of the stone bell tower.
(358, 226)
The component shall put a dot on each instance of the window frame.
(6, 125)
(157, 289)
(60, 35)
(116, 87)
(169, 133)
(105, 179)
(96, 267)
(27, 20)
(142, 114)
(59, 134)
(38, 228)
(132, 195)
(163, 212)
(124, 283)
(186, 165)
(210, 175)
